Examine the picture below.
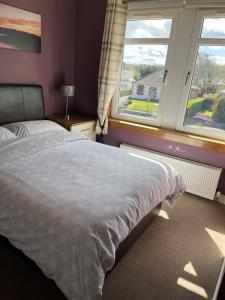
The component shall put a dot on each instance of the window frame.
(196, 43)
(151, 41)
(183, 46)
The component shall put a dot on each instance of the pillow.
(22, 129)
(6, 135)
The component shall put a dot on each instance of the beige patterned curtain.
(111, 58)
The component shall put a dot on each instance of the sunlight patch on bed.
(150, 159)
(189, 268)
(163, 214)
(192, 287)
(218, 238)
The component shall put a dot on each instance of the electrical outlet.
(175, 149)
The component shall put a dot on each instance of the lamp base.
(67, 117)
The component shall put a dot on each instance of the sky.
(20, 20)
(145, 54)
(149, 28)
(156, 54)
(214, 28)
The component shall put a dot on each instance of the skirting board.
(220, 279)
(221, 199)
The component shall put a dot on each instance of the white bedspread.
(67, 203)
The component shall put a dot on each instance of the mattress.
(68, 203)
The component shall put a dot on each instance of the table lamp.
(67, 90)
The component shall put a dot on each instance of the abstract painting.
(19, 29)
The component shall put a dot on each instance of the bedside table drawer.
(87, 129)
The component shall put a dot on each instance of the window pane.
(206, 104)
(141, 80)
(149, 28)
(214, 28)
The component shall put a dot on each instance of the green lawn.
(208, 114)
(200, 99)
(151, 107)
(193, 101)
(144, 106)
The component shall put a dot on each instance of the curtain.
(111, 58)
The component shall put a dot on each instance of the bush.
(208, 88)
(211, 88)
(194, 109)
(200, 106)
(219, 114)
(154, 100)
(207, 104)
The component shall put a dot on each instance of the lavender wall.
(89, 30)
(56, 62)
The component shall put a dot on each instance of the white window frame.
(198, 41)
(169, 58)
(183, 45)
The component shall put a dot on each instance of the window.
(153, 94)
(205, 108)
(144, 67)
(140, 90)
(173, 72)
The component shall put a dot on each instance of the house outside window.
(178, 56)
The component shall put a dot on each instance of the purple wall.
(56, 62)
(89, 30)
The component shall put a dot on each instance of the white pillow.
(27, 128)
(6, 135)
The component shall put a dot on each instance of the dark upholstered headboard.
(20, 103)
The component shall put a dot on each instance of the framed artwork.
(19, 29)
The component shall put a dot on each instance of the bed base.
(9, 253)
(136, 233)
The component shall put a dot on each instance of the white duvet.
(67, 203)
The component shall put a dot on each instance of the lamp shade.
(67, 90)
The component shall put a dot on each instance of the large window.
(144, 68)
(173, 72)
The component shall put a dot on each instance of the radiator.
(200, 179)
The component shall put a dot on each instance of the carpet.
(178, 257)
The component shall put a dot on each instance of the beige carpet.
(178, 257)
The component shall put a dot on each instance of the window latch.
(187, 77)
(165, 75)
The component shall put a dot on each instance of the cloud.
(145, 54)
(214, 28)
(219, 60)
(215, 53)
(149, 28)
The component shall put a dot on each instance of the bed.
(71, 205)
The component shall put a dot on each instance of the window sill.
(170, 135)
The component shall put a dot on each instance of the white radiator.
(200, 179)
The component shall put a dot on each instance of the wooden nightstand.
(77, 123)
